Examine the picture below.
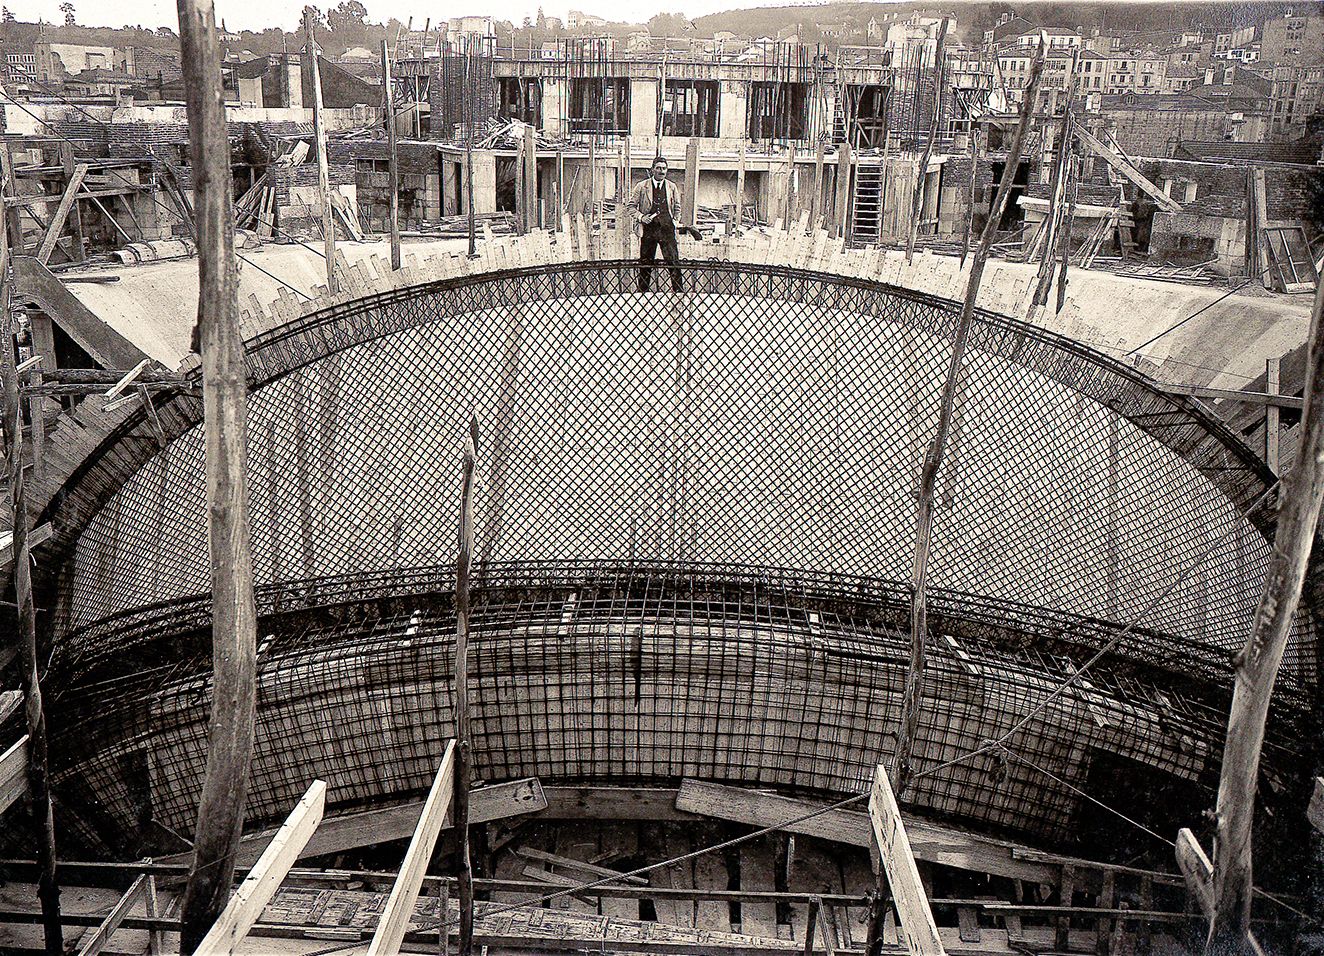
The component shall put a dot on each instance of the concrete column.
(643, 107)
(554, 102)
(484, 182)
(732, 107)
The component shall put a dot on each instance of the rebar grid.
(633, 678)
(669, 456)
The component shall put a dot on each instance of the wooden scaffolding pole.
(225, 400)
(1257, 665)
(48, 890)
(913, 696)
(470, 113)
(319, 137)
(463, 738)
(1057, 193)
(393, 158)
(922, 173)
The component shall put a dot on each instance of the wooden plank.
(1235, 395)
(98, 940)
(75, 211)
(319, 140)
(929, 842)
(394, 921)
(1124, 166)
(370, 827)
(918, 930)
(1315, 812)
(265, 877)
(567, 863)
(757, 917)
(1199, 875)
(13, 773)
(61, 214)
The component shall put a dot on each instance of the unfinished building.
(643, 565)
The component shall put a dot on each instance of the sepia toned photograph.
(731, 479)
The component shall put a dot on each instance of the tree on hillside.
(669, 25)
(67, 9)
(350, 14)
(6, 14)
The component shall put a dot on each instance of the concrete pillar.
(484, 182)
(554, 103)
(293, 82)
(732, 107)
(643, 107)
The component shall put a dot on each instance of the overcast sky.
(253, 15)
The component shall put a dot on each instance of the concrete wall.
(732, 104)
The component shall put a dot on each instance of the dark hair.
(659, 159)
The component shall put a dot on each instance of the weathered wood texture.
(225, 398)
(1302, 492)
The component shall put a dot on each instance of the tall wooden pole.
(970, 193)
(1057, 194)
(48, 890)
(463, 738)
(919, 621)
(319, 135)
(1257, 664)
(922, 174)
(393, 159)
(225, 400)
(469, 152)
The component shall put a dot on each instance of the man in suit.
(655, 203)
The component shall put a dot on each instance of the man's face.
(659, 171)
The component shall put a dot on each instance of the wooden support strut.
(246, 905)
(394, 920)
(463, 564)
(319, 138)
(1127, 169)
(918, 930)
(922, 172)
(48, 890)
(225, 397)
(934, 457)
(1302, 493)
(393, 159)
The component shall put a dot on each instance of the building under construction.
(851, 600)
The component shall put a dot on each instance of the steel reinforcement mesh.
(634, 676)
(767, 419)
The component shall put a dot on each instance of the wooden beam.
(319, 139)
(929, 842)
(371, 827)
(1271, 418)
(37, 536)
(841, 207)
(394, 921)
(75, 212)
(247, 903)
(689, 201)
(230, 729)
(393, 161)
(913, 694)
(13, 773)
(1199, 875)
(1300, 498)
(463, 733)
(1234, 395)
(25, 637)
(115, 917)
(918, 930)
(1127, 169)
(61, 214)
